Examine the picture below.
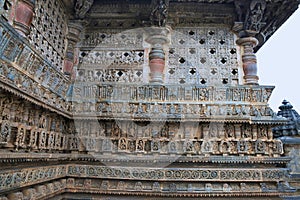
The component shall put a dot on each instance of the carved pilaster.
(23, 15)
(157, 37)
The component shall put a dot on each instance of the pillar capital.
(157, 36)
(74, 30)
(251, 41)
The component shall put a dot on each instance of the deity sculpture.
(256, 13)
(159, 14)
(82, 7)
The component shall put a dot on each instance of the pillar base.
(21, 28)
(23, 16)
(251, 80)
(156, 77)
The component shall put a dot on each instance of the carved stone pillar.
(74, 30)
(23, 15)
(249, 59)
(249, 25)
(157, 37)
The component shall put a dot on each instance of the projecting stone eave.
(110, 14)
(277, 13)
(275, 121)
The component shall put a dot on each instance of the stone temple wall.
(109, 131)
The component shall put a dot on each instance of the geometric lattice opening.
(171, 51)
(120, 73)
(193, 71)
(213, 72)
(203, 81)
(191, 33)
(212, 51)
(223, 60)
(181, 41)
(182, 60)
(211, 32)
(225, 81)
(233, 51)
(171, 71)
(203, 60)
(234, 72)
(202, 41)
(222, 42)
(192, 51)
(182, 81)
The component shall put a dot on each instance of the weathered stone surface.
(127, 99)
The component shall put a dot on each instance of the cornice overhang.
(133, 14)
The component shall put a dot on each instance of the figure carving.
(239, 6)
(5, 132)
(156, 186)
(255, 15)
(82, 7)
(159, 14)
(229, 131)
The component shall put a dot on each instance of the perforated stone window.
(6, 8)
(112, 56)
(48, 33)
(204, 55)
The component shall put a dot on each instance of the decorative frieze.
(155, 188)
(179, 138)
(29, 176)
(175, 111)
(21, 67)
(206, 175)
(271, 148)
(25, 126)
(166, 189)
(38, 191)
(169, 92)
(40, 86)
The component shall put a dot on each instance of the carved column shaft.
(157, 37)
(23, 15)
(74, 30)
(156, 64)
(249, 60)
